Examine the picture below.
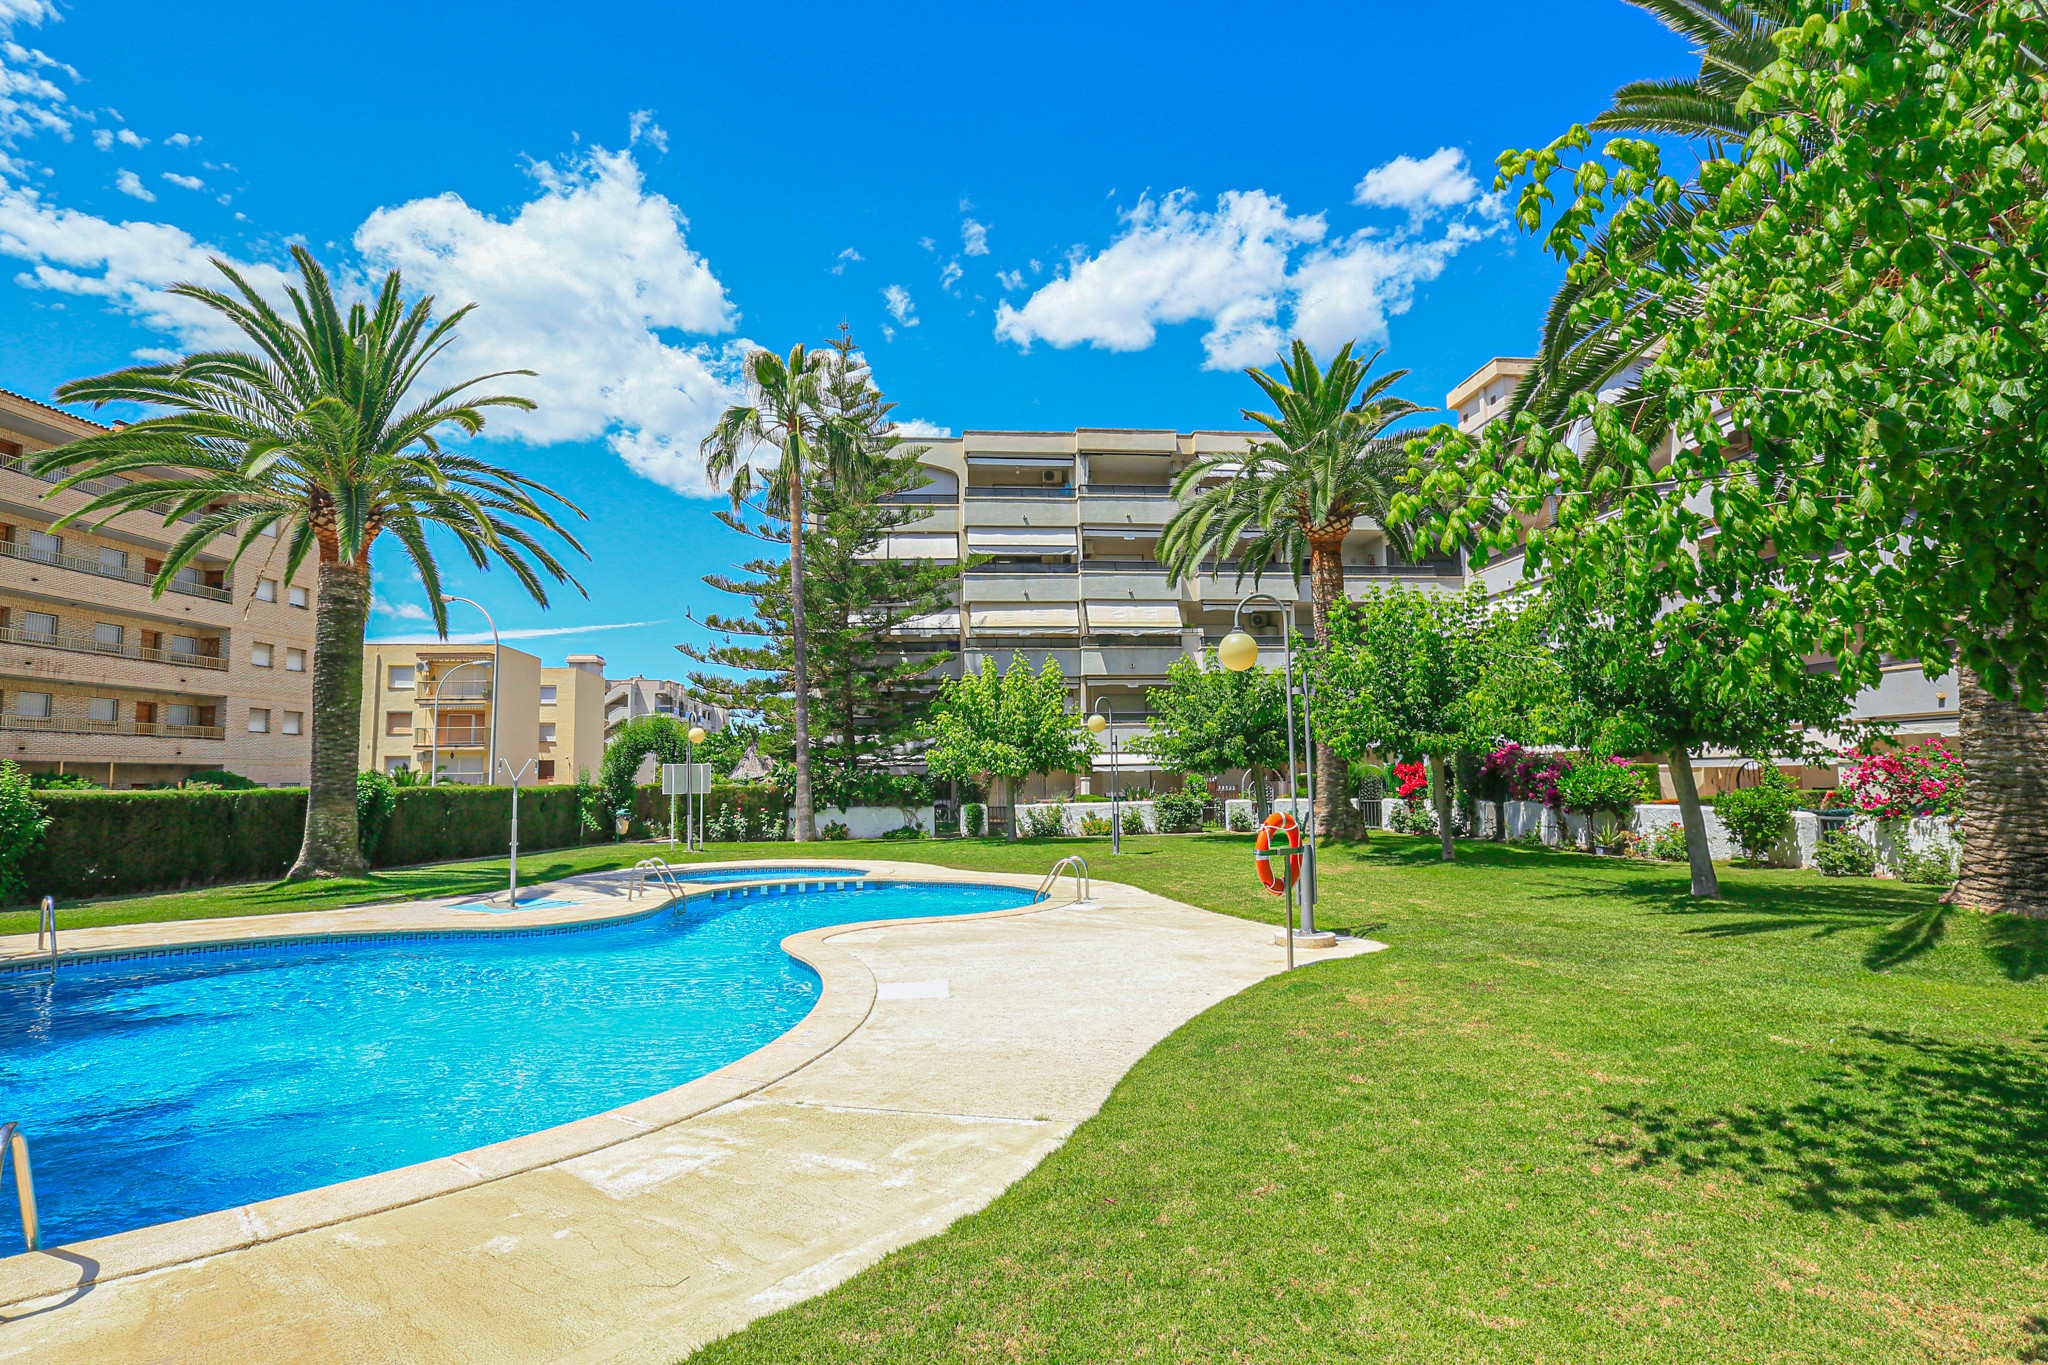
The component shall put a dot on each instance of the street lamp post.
(1238, 652)
(1097, 723)
(696, 826)
(497, 676)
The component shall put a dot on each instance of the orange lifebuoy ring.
(1289, 872)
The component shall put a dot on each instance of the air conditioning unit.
(1262, 620)
(1050, 475)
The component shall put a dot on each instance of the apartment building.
(1917, 706)
(1070, 522)
(630, 698)
(100, 677)
(479, 713)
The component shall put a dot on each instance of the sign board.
(685, 779)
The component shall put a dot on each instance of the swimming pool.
(747, 872)
(166, 1087)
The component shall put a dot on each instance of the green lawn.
(1571, 1116)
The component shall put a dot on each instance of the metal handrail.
(46, 923)
(11, 1136)
(1077, 868)
(657, 868)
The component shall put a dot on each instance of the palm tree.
(784, 412)
(314, 437)
(1296, 497)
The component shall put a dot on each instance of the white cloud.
(180, 140)
(966, 204)
(404, 611)
(916, 428)
(927, 243)
(975, 235)
(900, 306)
(103, 138)
(949, 273)
(129, 183)
(641, 127)
(128, 137)
(1242, 267)
(1438, 181)
(888, 332)
(578, 285)
(186, 182)
(1010, 279)
(845, 258)
(483, 637)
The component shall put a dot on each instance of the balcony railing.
(1002, 570)
(67, 725)
(425, 738)
(1020, 490)
(1129, 490)
(88, 644)
(19, 464)
(80, 564)
(464, 689)
(1446, 568)
(918, 500)
(1144, 566)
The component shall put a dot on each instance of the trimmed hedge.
(103, 843)
(651, 807)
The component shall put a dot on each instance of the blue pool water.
(168, 1087)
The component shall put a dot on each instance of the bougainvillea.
(1530, 777)
(1414, 779)
(1924, 780)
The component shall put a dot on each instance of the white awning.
(1026, 461)
(1126, 761)
(940, 545)
(1034, 540)
(937, 623)
(1005, 619)
(1134, 618)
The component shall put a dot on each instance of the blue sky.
(1033, 217)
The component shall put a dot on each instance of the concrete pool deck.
(945, 1058)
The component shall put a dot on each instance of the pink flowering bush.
(1413, 777)
(1529, 777)
(1924, 780)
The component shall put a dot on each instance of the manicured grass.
(392, 884)
(1570, 1116)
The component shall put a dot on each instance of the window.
(259, 721)
(401, 676)
(398, 722)
(34, 705)
(266, 590)
(544, 770)
(103, 710)
(185, 644)
(39, 625)
(259, 655)
(107, 635)
(547, 695)
(189, 575)
(394, 766)
(113, 561)
(547, 733)
(294, 722)
(43, 545)
(297, 596)
(295, 661)
(177, 713)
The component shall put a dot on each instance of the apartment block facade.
(100, 677)
(630, 698)
(433, 705)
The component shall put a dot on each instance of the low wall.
(872, 822)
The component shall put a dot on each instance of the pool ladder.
(1075, 866)
(12, 1138)
(656, 869)
(46, 923)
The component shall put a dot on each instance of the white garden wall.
(870, 822)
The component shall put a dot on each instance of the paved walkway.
(945, 1059)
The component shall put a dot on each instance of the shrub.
(1841, 853)
(913, 830)
(1923, 780)
(1181, 813)
(1411, 817)
(1137, 793)
(1936, 867)
(375, 800)
(1413, 780)
(1759, 816)
(1241, 821)
(1668, 843)
(102, 843)
(976, 817)
(1089, 798)
(62, 782)
(217, 778)
(1045, 822)
(1134, 822)
(835, 829)
(1097, 825)
(22, 822)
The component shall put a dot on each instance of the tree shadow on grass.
(2019, 945)
(1910, 1128)
(1761, 907)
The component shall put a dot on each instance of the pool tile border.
(845, 999)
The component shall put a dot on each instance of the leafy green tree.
(1396, 676)
(22, 822)
(1759, 816)
(1007, 725)
(1849, 340)
(317, 436)
(664, 737)
(1298, 495)
(1208, 720)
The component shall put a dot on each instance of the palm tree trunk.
(1334, 814)
(799, 649)
(1440, 797)
(330, 847)
(2004, 862)
(1706, 883)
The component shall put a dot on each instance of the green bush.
(749, 811)
(1045, 822)
(1411, 817)
(1097, 825)
(1241, 821)
(1758, 817)
(375, 798)
(224, 780)
(976, 816)
(1181, 812)
(22, 822)
(1669, 844)
(102, 843)
(1134, 821)
(912, 830)
(62, 782)
(1842, 853)
(835, 829)
(1936, 867)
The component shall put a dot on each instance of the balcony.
(87, 644)
(1031, 566)
(918, 500)
(80, 564)
(19, 464)
(1018, 490)
(451, 737)
(463, 689)
(64, 725)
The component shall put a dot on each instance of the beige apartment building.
(100, 678)
(1070, 522)
(431, 705)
